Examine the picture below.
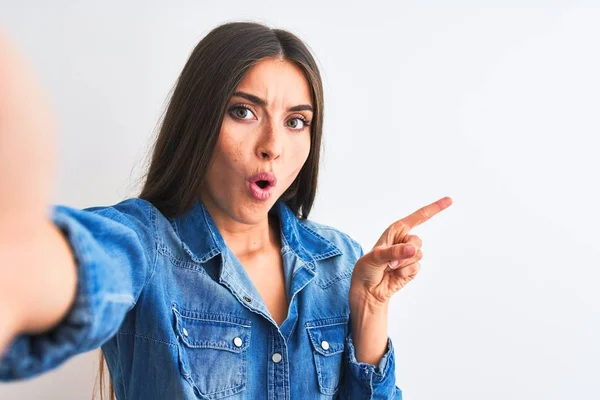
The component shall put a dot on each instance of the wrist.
(369, 330)
(365, 322)
(363, 302)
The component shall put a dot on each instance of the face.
(266, 129)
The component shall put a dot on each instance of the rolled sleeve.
(366, 381)
(114, 249)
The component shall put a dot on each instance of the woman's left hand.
(393, 261)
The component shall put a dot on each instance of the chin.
(249, 211)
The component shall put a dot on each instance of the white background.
(495, 104)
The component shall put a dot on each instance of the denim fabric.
(178, 317)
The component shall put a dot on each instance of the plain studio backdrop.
(495, 104)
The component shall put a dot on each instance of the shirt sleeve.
(115, 252)
(366, 381)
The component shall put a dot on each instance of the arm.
(67, 276)
(369, 362)
(34, 259)
(114, 250)
(36, 253)
(388, 267)
(369, 331)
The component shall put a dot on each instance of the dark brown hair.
(188, 134)
(192, 122)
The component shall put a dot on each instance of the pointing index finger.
(425, 213)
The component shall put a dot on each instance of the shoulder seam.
(153, 218)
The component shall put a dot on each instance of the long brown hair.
(189, 130)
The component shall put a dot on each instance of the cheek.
(305, 149)
(302, 150)
(229, 150)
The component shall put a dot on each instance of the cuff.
(29, 355)
(379, 372)
(366, 381)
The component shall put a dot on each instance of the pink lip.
(263, 176)
(262, 193)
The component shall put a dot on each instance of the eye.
(241, 112)
(298, 123)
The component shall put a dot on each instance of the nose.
(270, 143)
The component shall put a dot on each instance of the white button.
(276, 357)
(238, 342)
(325, 345)
(185, 332)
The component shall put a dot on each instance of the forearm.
(37, 277)
(369, 332)
(370, 363)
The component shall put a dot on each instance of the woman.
(212, 283)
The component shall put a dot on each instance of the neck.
(245, 240)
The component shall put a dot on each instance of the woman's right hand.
(27, 141)
(27, 167)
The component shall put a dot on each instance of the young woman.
(212, 283)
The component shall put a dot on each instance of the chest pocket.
(327, 337)
(212, 352)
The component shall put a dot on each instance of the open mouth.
(263, 184)
(261, 189)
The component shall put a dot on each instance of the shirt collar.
(203, 241)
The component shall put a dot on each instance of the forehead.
(279, 82)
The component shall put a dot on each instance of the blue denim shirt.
(178, 317)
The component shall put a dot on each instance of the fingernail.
(410, 250)
(394, 264)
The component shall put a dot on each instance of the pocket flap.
(328, 335)
(213, 331)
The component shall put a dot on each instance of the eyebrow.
(257, 100)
